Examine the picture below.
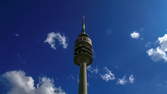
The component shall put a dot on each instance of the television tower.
(83, 57)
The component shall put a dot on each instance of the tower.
(83, 57)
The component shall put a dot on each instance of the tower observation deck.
(83, 57)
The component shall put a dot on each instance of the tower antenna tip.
(83, 24)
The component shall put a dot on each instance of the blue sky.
(129, 41)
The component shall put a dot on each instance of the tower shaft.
(83, 79)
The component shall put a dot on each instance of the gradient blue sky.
(108, 22)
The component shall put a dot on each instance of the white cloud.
(135, 35)
(122, 81)
(93, 70)
(131, 79)
(52, 37)
(163, 39)
(160, 52)
(22, 84)
(108, 75)
(126, 80)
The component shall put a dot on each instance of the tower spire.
(83, 25)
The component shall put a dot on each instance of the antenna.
(83, 24)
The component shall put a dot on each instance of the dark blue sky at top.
(109, 24)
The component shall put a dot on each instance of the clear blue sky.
(25, 24)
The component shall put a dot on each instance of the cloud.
(126, 80)
(93, 70)
(131, 79)
(52, 37)
(122, 81)
(22, 84)
(135, 35)
(105, 75)
(108, 75)
(160, 51)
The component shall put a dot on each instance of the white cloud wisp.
(108, 75)
(125, 80)
(52, 37)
